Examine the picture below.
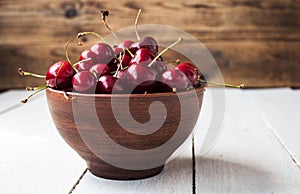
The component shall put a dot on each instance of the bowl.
(95, 124)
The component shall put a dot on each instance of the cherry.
(175, 80)
(126, 59)
(84, 82)
(85, 54)
(60, 75)
(120, 73)
(108, 84)
(99, 53)
(100, 69)
(84, 66)
(125, 62)
(146, 42)
(126, 44)
(160, 66)
(191, 72)
(141, 78)
(142, 55)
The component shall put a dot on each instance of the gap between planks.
(279, 139)
(78, 181)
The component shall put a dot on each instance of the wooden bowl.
(82, 132)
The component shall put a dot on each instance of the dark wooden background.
(253, 41)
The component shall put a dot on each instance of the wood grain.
(253, 41)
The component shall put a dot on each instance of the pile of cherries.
(129, 67)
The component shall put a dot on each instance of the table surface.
(258, 150)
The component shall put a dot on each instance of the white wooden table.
(257, 152)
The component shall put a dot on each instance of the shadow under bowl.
(93, 128)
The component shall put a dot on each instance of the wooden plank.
(280, 109)
(33, 157)
(208, 20)
(247, 158)
(253, 41)
(175, 178)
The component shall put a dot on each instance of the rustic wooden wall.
(253, 41)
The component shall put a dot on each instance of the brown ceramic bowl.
(81, 131)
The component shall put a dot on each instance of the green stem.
(220, 84)
(39, 90)
(67, 55)
(80, 34)
(35, 88)
(21, 72)
(135, 24)
(165, 50)
(83, 60)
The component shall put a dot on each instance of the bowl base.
(114, 173)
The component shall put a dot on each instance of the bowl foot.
(115, 173)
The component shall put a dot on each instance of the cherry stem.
(165, 50)
(35, 88)
(135, 24)
(117, 71)
(242, 86)
(83, 60)
(67, 54)
(81, 34)
(21, 72)
(41, 88)
(66, 49)
(105, 13)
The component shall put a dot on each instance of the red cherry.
(120, 73)
(141, 78)
(84, 66)
(160, 66)
(142, 55)
(99, 53)
(100, 69)
(108, 84)
(84, 82)
(126, 44)
(174, 79)
(126, 60)
(59, 75)
(85, 54)
(191, 72)
(146, 42)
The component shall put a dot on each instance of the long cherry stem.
(105, 13)
(37, 91)
(81, 34)
(242, 86)
(21, 72)
(135, 24)
(83, 60)
(67, 55)
(165, 50)
(35, 88)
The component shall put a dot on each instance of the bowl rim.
(162, 94)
